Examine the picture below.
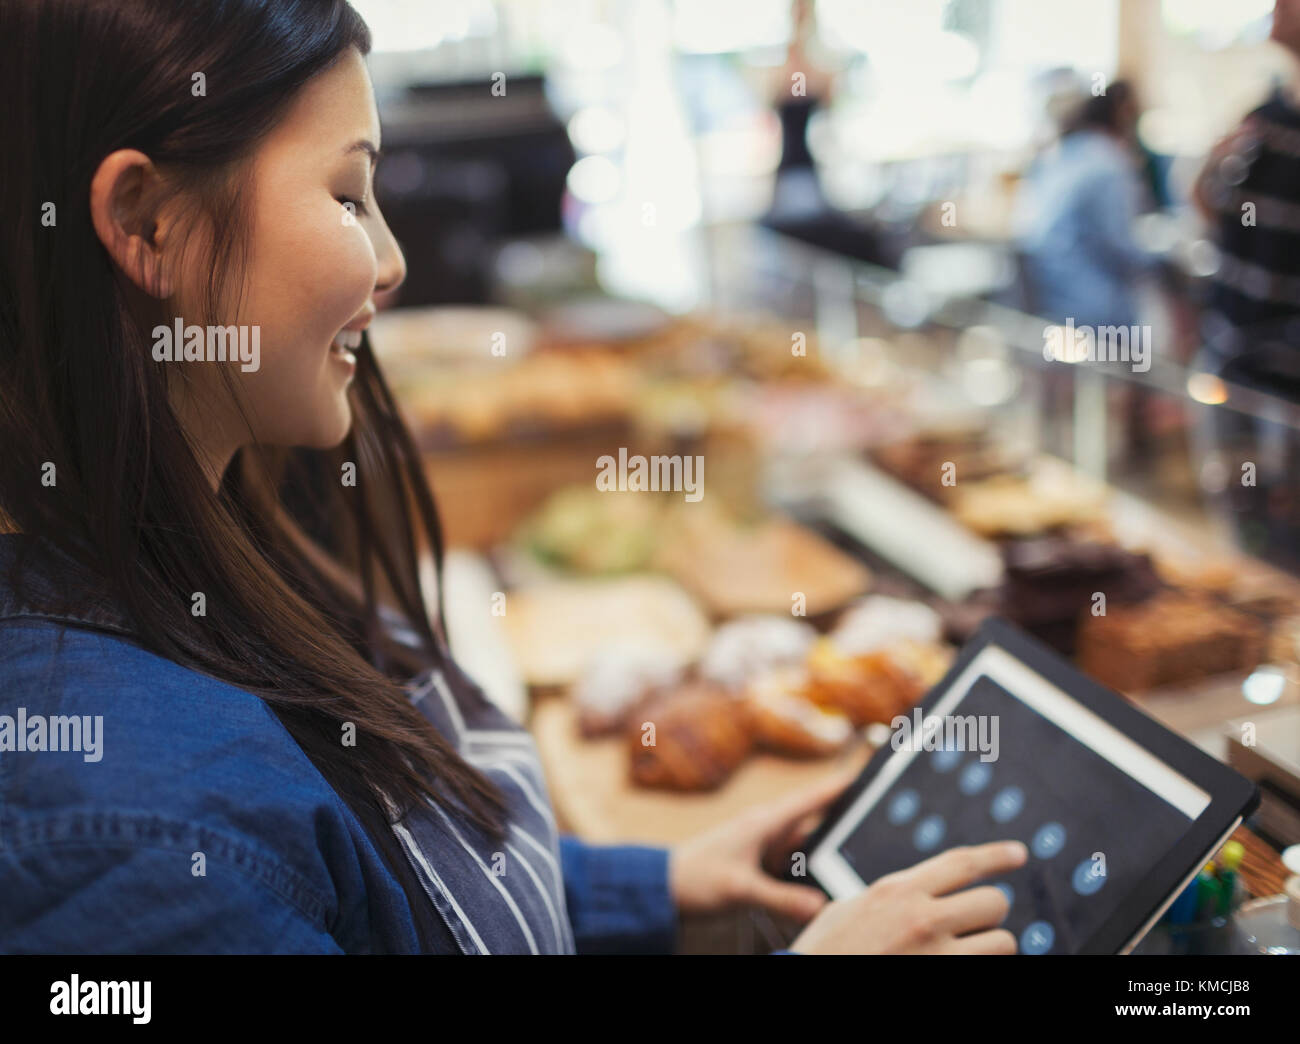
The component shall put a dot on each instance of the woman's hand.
(923, 909)
(725, 866)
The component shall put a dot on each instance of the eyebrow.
(366, 146)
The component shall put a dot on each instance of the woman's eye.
(356, 206)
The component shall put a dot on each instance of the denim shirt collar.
(40, 581)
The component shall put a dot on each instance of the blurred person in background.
(1079, 260)
(802, 87)
(1249, 192)
(1075, 213)
(799, 207)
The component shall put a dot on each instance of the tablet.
(1118, 812)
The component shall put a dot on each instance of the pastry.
(926, 662)
(866, 688)
(921, 462)
(876, 622)
(1172, 638)
(617, 679)
(1265, 597)
(496, 398)
(787, 722)
(1007, 506)
(745, 648)
(690, 739)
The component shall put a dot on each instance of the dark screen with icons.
(1091, 829)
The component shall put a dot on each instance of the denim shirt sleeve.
(197, 825)
(104, 898)
(1112, 209)
(618, 898)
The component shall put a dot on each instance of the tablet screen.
(1004, 754)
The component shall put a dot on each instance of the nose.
(392, 265)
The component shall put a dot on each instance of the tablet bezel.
(1232, 796)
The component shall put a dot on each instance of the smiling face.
(318, 251)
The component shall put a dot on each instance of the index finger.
(959, 867)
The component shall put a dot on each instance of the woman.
(1075, 214)
(232, 725)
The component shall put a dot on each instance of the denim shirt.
(1074, 222)
(180, 816)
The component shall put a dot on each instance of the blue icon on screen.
(1007, 804)
(904, 806)
(1008, 891)
(975, 777)
(1088, 878)
(945, 760)
(1037, 938)
(1049, 840)
(929, 832)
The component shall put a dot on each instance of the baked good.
(926, 662)
(1051, 582)
(877, 622)
(787, 722)
(1008, 505)
(868, 688)
(1172, 638)
(1194, 571)
(745, 648)
(618, 678)
(502, 398)
(1265, 596)
(920, 462)
(689, 739)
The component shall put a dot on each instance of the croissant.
(693, 738)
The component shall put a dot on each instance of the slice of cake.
(1172, 638)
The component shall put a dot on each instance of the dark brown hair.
(293, 587)
(1104, 112)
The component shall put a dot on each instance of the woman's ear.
(123, 209)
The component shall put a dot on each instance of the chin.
(337, 434)
(332, 429)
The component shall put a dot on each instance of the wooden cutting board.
(595, 799)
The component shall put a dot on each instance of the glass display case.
(1120, 446)
(976, 460)
(1210, 452)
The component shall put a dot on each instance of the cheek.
(324, 272)
(308, 278)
